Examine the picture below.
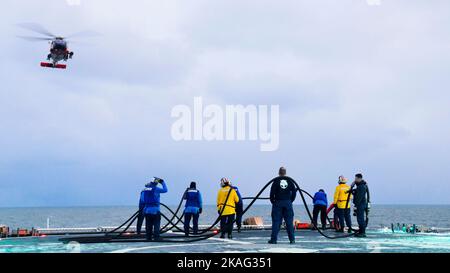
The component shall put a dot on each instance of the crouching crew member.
(193, 208)
(361, 199)
(282, 195)
(227, 200)
(150, 201)
(320, 202)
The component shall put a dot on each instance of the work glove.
(159, 180)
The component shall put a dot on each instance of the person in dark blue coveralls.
(239, 209)
(361, 202)
(141, 215)
(282, 195)
(150, 202)
(320, 202)
(193, 208)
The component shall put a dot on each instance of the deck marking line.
(125, 250)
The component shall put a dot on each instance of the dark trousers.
(323, 215)
(344, 216)
(140, 221)
(336, 219)
(226, 224)
(152, 226)
(187, 221)
(239, 211)
(282, 209)
(361, 218)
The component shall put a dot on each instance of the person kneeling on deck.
(193, 208)
(282, 195)
(150, 201)
(227, 200)
(342, 198)
(320, 202)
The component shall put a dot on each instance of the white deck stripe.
(125, 250)
(231, 241)
(220, 241)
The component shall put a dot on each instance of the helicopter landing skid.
(50, 65)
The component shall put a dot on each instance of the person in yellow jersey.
(227, 200)
(342, 203)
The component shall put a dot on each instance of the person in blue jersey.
(320, 202)
(150, 202)
(239, 209)
(193, 208)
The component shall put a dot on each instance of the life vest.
(233, 199)
(341, 196)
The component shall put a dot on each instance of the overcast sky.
(361, 88)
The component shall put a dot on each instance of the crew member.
(193, 208)
(227, 200)
(342, 198)
(150, 201)
(282, 195)
(361, 202)
(141, 215)
(320, 202)
(239, 209)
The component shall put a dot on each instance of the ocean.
(65, 217)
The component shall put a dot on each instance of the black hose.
(310, 216)
(176, 212)
(129, 219)
(200, 237)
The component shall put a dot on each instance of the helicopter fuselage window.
(59, 46)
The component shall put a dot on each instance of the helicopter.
(59, 50)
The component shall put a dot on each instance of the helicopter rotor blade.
(37, 28)
(31, 38)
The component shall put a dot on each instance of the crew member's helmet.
(342, 179)
(224, 182)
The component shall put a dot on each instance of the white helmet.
(224, 182)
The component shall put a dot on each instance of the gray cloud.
(361, 88)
